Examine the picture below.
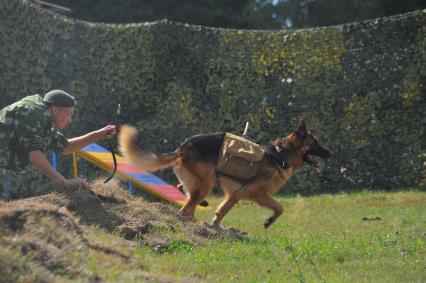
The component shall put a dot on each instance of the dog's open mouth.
(314, 161)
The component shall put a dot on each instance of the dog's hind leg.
(197, 195)
(180, 187)
(188, 209)
(197, 188)
(266, 200)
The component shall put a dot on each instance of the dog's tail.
(139, 157)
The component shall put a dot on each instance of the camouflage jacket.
(26, 125)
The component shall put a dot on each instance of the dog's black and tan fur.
(194, 164)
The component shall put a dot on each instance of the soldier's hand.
(107, 132)
(76, 183)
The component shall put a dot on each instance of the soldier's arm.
(39, 160)
(80, 142)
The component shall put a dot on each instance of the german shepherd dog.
(194, 164)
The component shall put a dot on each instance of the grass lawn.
(361, 237)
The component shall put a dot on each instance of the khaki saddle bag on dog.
(239, 157)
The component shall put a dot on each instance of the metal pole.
(246, 129)
(54, 161)
(74, 163)
(131, 188)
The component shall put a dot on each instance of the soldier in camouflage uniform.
(29, 128)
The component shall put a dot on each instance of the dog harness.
(278, 155)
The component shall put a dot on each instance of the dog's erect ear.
(301, 129)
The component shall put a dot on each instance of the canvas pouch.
(239, 157)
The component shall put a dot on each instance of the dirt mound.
(45, 235)
(47, 229)
(83, 202)
(109, 207)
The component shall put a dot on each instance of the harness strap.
(111, 148)
(278, 157)
(273, 177)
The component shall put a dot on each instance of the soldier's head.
(61, 107)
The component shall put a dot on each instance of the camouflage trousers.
(20, 184)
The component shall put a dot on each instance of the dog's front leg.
(266, 200)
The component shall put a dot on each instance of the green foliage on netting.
(360, 87)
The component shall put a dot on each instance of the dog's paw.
(268, 222)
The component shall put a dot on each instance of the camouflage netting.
(360, 86)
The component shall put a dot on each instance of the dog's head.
(304, 146)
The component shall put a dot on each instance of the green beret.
(59, 98)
